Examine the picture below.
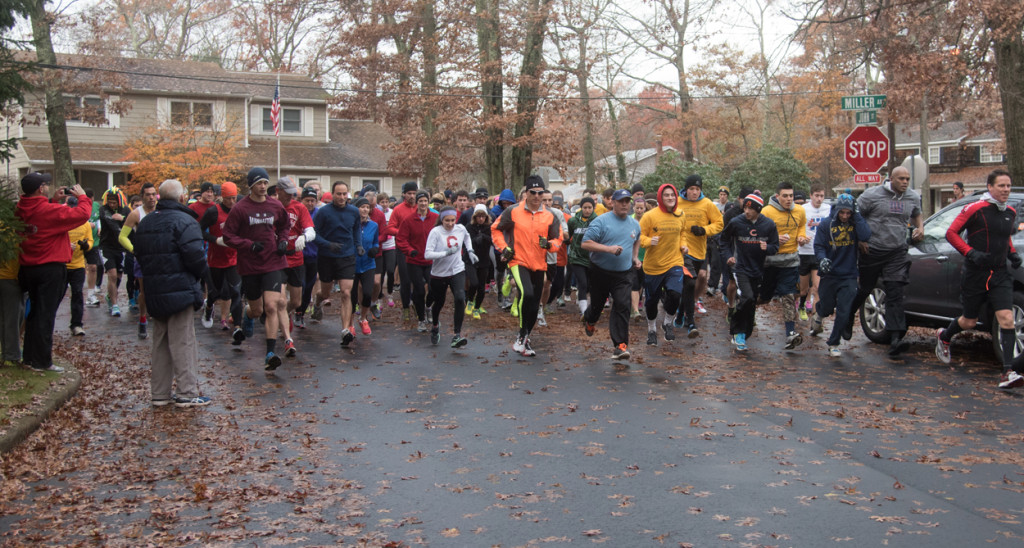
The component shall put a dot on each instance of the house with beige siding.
(165, 93)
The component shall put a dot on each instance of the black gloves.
(373, 252)
(544, 243)
(698, 230)
(825, 266)
(360, 251)
(256, 247)
(507, 254)
(413, 253)
(978, 258)
(84, 246)
(282, 247)
(1015, 260)
(335, 247)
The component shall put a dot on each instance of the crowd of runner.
(283, 253)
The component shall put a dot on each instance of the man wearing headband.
(225, 282)
(258, 228)
(525, 233)
(746, 242)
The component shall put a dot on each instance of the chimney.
(657, 147)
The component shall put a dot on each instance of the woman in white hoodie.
(444, 247)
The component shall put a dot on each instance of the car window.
(935, 228)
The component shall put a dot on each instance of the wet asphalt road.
(692, 444)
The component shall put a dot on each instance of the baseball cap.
(481, 193)
(31, 182)
(621, 194)
(309, 193)
(288, 185)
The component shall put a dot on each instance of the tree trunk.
(1010, 73)
(491, 91)
(63, 172)
(582, 76)
(431, 164)
(620, 158)
(529, 90)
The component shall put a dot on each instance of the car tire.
(872, 317)
(1018, 325)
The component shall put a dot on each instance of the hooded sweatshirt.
(791, 221)
(506, 196)
(888, 214)
(669, 227)
(701, 212)
(577, 228)
(46, 228)
(837, 242)
(742, 239)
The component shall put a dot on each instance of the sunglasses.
(536, 192)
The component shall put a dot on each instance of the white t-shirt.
(815, 216)
(389, 243)
(438, 242)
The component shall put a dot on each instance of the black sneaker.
(692, 331)
(435, 335)
(346, 337)
(898, 346)
(848, 331)
(143, 333)
(527, 349)
(652, 338)
(238, 336)
(458, 341)
(670, 335)
(198, 401)
(272, 362)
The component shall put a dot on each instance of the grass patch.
(20, 387)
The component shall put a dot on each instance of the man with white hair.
(169, 248)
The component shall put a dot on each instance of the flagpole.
(278, 132)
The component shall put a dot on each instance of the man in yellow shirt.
(782, 270)
(702, 220)
(662, 236)
(605, 204)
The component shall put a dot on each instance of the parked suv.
(933, 295)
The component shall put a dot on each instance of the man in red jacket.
(411, 241)
(399, 213)
(44, 255)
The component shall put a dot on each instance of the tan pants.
(175, 357)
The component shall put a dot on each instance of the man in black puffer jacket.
(169, 247)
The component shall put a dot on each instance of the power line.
(341, 90)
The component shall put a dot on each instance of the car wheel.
(1018, 326)
(872, 317)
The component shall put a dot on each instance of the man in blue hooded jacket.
(836, 248)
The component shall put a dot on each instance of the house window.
(291, 120)
(192, 114)
(934, 155)
(80, 109)
(990, 156)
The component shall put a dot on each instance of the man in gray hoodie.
(889, 209)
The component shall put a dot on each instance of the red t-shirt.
(300, 220)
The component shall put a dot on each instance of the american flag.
(275, 111)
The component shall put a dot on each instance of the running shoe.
(678, 322)
(300, 321)
(670, 335)
(652, 338)
(803, 314)
(435, 334)
(272, 362)
(816, 327)
(207, 317)
(422, 326)
(469, 308)
(143, 332)
(77, 331)
(518, 345)
(527, 349)
(458, 341)
(589, 328)
(289, 349)
(700, 307)
(942, 347)
(620, 352)
(318, 313)
(391, 302)
(476, 313)
(506, 287)
(48, 369)
(541, 321)
(375, 311)
(93, 301)
(1010, 379)
(848, 332)
(833, 352)
(560, 302)
(115, 311)
(248, 325)
(198, 401)
(482, 310)
(793, 340)
(224, 325)
(692, 332)
(133, 305)
(406, 316)
(740, 340)
(346, 337)
(238, 336)
(364, 324)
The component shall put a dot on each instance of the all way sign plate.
(867, 178)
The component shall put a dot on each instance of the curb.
(53, 399)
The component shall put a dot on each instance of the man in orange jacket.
(524, 234)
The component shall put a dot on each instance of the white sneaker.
(541, 321)
(518, 345)
(833, 351)
(1011, 379)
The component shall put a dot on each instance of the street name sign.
(863, 102)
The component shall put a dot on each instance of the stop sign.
(866, 149)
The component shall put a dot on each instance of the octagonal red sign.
(866, 149)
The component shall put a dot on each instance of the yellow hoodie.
(669, 227)
(83, 232)
(792, 222)
(700, 213)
